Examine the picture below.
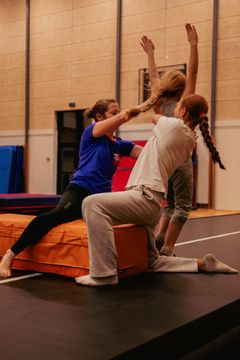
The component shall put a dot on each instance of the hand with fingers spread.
(191, 34)
(147, 45)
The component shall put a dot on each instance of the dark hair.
(197, 108)
(100, 107)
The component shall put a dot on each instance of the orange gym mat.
(64, 250)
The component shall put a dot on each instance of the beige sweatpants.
(136, 206)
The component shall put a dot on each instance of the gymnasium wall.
(72, 58)
(12, 64)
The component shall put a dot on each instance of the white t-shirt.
(170, 145)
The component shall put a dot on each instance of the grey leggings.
(179, 197)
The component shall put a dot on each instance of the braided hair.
(197, 108)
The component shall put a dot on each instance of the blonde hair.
(174, 82)
(171, 85)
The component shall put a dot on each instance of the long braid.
(195, 104)
(204, 127)
(197, 108)
(170, 84)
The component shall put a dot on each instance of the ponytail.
(88, 114)
(171, 84)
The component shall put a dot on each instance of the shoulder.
(167, 121)
(88, 130)
(158, 118)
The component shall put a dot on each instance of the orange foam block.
(64, 250)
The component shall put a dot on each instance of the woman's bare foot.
(87, 280)
(6, 264)
(209, 263)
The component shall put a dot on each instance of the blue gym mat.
(11, 169)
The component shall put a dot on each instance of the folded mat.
(64, 250)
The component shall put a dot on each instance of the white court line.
(207, 238)
(19, 278)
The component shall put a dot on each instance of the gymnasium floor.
(152, 316)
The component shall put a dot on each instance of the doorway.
(70, 127)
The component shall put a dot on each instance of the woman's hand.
(147, 45)
(191, 34)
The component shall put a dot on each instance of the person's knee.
(89, 205)
(179, 218)
(86, 205)
(168, 211)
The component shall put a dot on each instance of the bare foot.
(212, 264)
(87, 280)
(6, 264)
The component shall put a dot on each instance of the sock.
(214, 265)
(87, 280)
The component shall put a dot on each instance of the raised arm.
(111, 124)
(191, 79)
(149, 48)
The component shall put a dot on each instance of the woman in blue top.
(99, 155)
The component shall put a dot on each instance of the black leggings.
(68, 209)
